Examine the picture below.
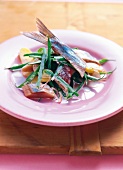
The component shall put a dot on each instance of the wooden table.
(17, 136)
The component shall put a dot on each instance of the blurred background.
(99, 17)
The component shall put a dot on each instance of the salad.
(56, 71)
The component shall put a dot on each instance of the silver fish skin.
(59, 47)
(69, 55)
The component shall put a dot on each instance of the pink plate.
(102, 101)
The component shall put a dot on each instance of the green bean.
(59, 68)
(33, 54)
(41, 68)
(109, 72)
(81, 84)
(35, 62)
(17, 66)
(29, 78)
(94, 78)
(70, 89)
(104, 60)
(41, 50)
(58, 58)
(49, 54)
(49, 72)
(61, 60)
(86, 78)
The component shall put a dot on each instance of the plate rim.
(63, 123)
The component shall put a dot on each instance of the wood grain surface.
(17, 136)
(102, 19)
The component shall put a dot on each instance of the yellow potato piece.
(45, 78)
(89, 69)
(93, 67)
(27, 70)
(25, 59)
